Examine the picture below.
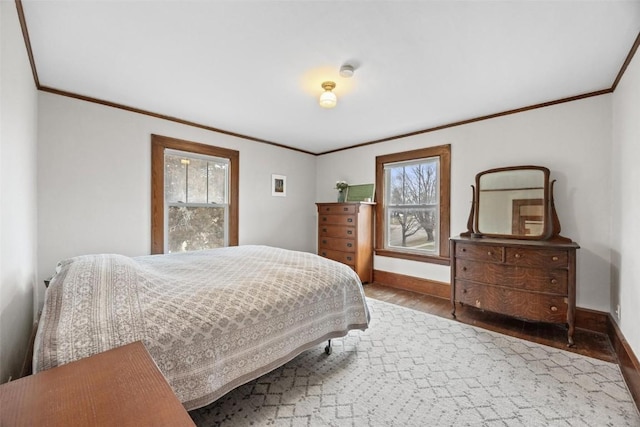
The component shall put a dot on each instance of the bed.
(212, 320)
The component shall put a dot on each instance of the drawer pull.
(464, 249)
(348, 258)
(554, 281)
(555, 258)
(464, 268)
(345, 209)
(324, 254)
(349, 219)
(349, 231)
(324, 242)
(328, 209)
(489, 253)
(464, 291)
(324, 230)
(349, 245)
(518, 255)
(554, 308)
(324, 218)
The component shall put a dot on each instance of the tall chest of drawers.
(531, 280)
(345, 234)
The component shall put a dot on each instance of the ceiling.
(255, 68)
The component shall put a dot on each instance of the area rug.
(415, 369)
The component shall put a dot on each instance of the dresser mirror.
(513, 203)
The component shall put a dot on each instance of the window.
(194, 196)
(412, 190)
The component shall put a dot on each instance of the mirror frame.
(551, 226)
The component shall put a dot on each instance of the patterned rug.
(415, 369)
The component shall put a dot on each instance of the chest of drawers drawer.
(346, 245)
(524, 278)
(341, 231)
(513, 302)
(348, 258)
(341, 209)
(536, 257)
(480, 252)
(337, 219)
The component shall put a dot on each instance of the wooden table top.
(120, 387)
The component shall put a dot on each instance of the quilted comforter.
(212, 320)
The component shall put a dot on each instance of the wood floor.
(587, 343)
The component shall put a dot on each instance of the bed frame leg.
(328, 349)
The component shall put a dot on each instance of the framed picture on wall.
(278, 185)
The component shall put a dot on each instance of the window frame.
(158, 145)
(443, 152)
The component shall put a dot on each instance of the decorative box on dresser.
(512, 259)
(345, 234)
(532, 280)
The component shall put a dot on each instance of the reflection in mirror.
(512, 202)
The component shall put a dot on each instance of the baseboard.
(592, 320)
(412, 283)
(627, 360)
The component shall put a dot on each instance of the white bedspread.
(211, 320)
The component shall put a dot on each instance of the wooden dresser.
(345, 234)
(528, 279)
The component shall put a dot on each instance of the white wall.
(625, 274)
(94, 183)
(572, 139)
(18, 109)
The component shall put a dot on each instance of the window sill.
(413, 257)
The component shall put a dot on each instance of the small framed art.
(278, 185)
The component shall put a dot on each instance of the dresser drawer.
(556, 258)
(333, 243)
(531, 279)
(337, 209)
(337, 219)
(348, 258)
(341, 231)
(522, 304)
(479, 252)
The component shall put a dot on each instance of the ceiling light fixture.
(328, 99)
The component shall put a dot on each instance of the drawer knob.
(464, 268)
(349, 245)
(348, 258)
(324, 230)
(328, 209)
(324, 218)
(324, 242)
(518, 255)
(349, 231)
(464, 249)
(555, 258)
(489, 253)
(345, 209)
(324, 254)
(554, 308)
(464, 291)
(554, 281)
(349, 219)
